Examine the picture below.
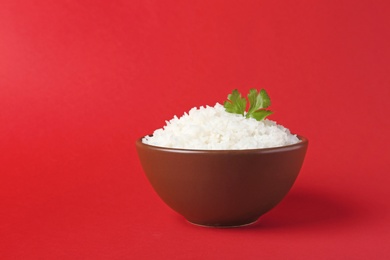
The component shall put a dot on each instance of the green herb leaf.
(266, 101)
(235, 103)
(260, 114)
(258, 102)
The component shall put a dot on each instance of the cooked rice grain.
(212, 128)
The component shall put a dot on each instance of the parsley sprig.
(258, 102)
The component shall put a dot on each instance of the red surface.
(80, 81)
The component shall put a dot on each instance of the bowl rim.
(304, 142)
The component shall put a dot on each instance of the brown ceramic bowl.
(222, 188)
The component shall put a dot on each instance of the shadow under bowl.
(222, 188)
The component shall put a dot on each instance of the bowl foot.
(244, 224)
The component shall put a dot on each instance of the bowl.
(222, 188)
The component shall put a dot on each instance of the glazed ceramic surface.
(222, 188)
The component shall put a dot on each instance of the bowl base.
(223, 226)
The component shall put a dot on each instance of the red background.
(80, 81)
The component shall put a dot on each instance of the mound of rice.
(212, 128)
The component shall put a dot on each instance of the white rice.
(212, 128)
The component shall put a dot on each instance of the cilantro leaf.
(254, 100)
(266, 101)
(235, 103)
(258, 102)
(260, 114)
